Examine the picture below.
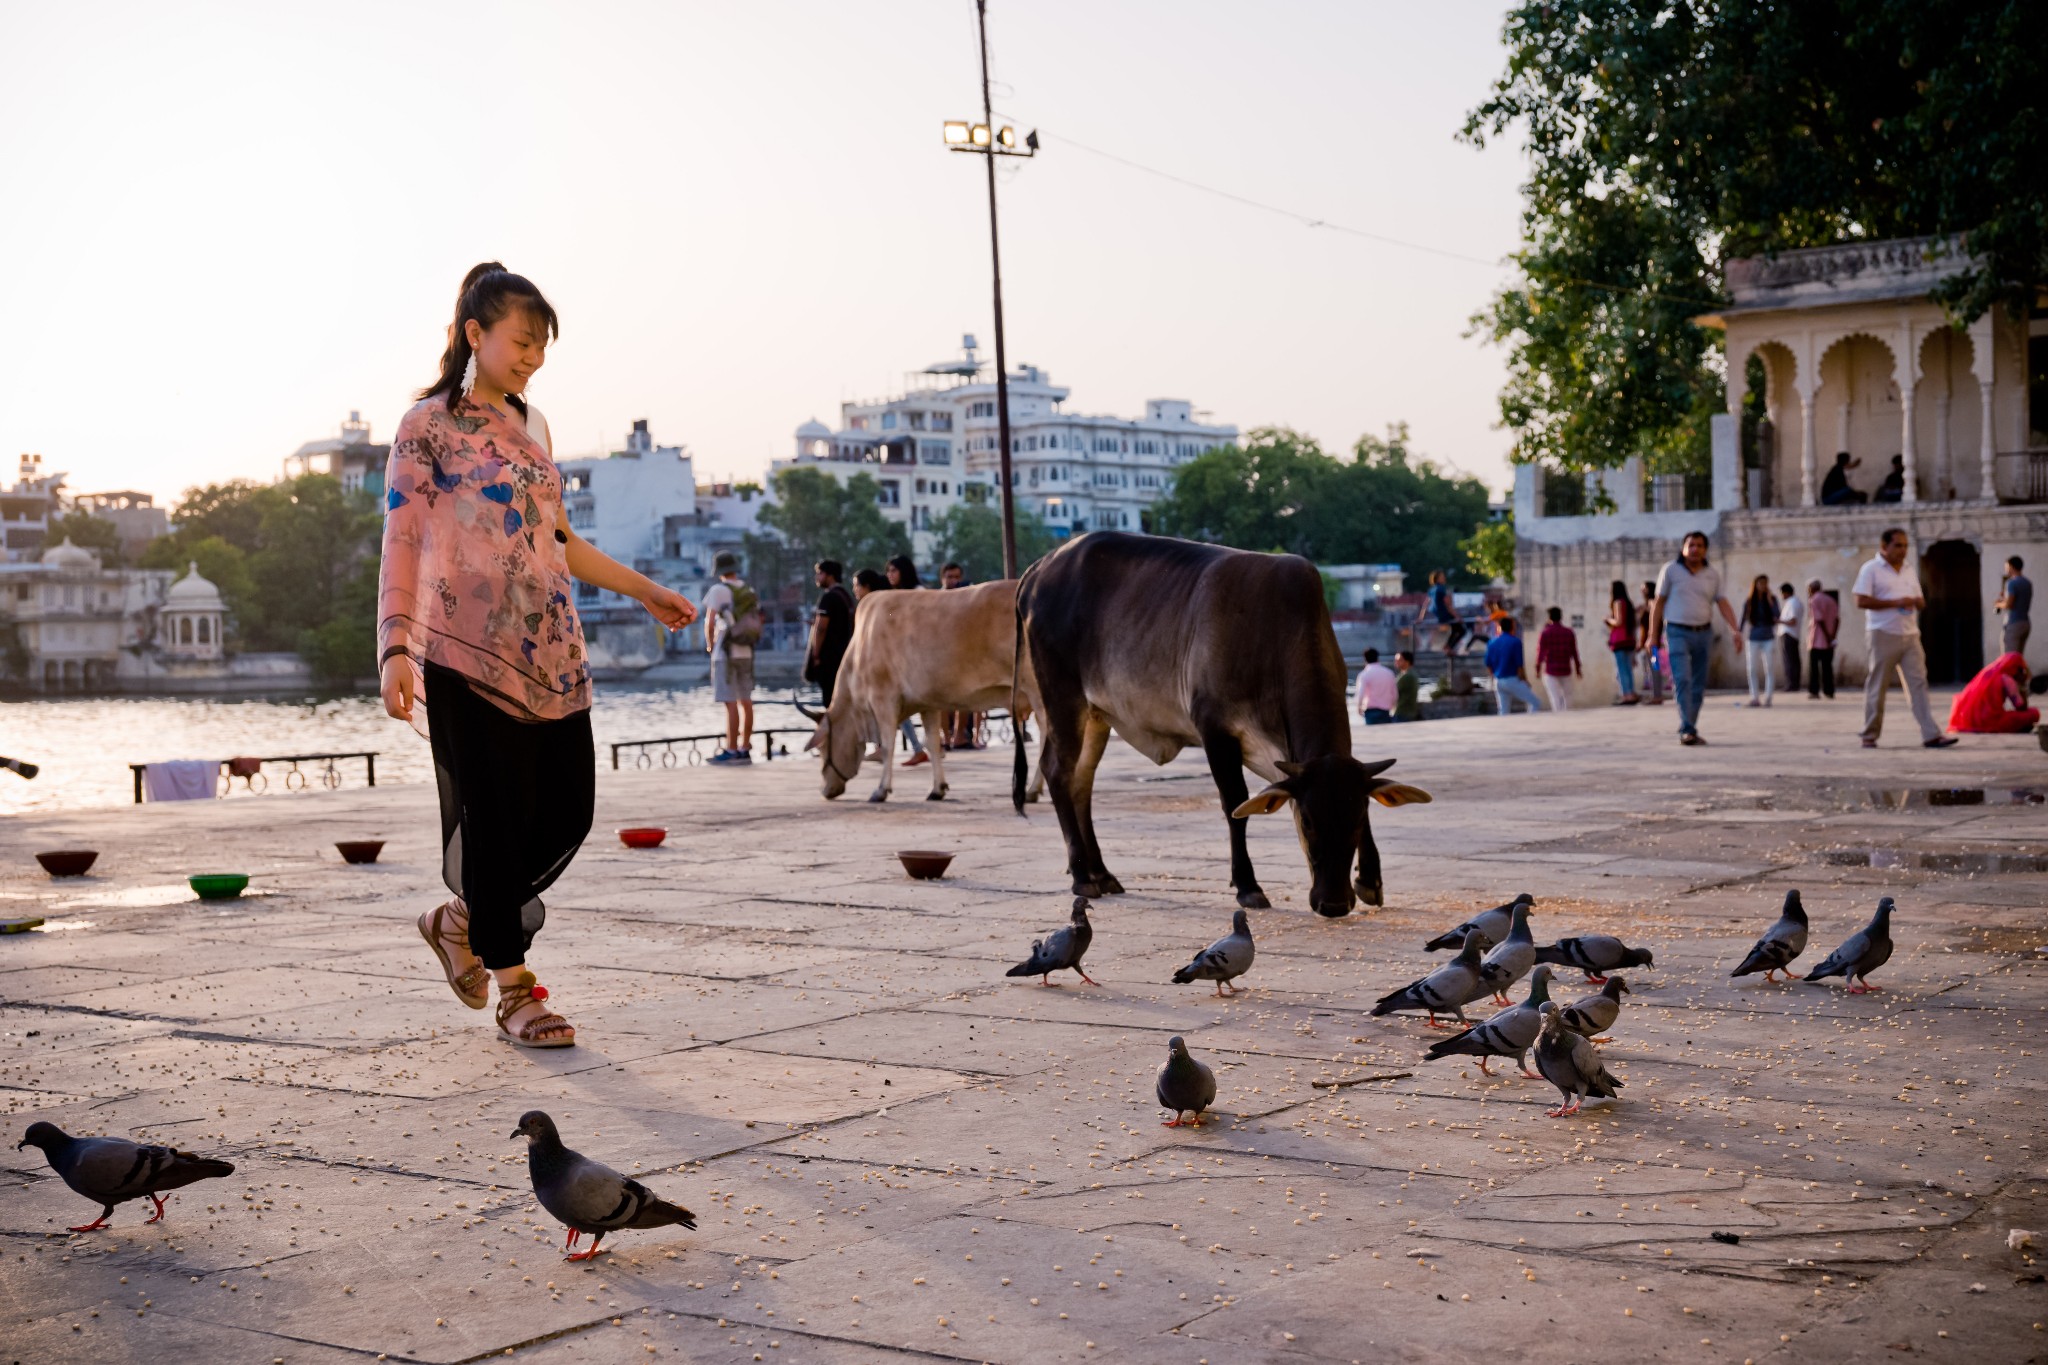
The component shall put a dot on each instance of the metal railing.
(296, 779)
(995, 729)
(2022, 475)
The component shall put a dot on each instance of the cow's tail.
(1020, 767)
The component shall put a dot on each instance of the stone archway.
(1952, 623)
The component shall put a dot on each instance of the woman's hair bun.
(477, 272)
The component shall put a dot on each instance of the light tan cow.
(918, 653)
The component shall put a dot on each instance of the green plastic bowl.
(219, 886)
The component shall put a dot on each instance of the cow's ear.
(1263, 803)
(1399, 794)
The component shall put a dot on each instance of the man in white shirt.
(1378, 690)
(1891, 598)
(1791, 616)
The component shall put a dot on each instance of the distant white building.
(351, 457)
(629, 504)
(935, 445)
(134, 516)
(27, 509)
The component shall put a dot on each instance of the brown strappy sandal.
(446, 930)
(543, 1030)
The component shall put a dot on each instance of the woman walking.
(1760, 625)
(1621, 639)
(902, 571)
(477, 631)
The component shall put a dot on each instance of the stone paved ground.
(896, 1153)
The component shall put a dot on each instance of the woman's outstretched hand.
(669, 607)
(395, 681)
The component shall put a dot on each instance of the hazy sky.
(226, 225)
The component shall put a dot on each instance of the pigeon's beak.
(518, 1132)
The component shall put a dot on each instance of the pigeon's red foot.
(1173, 1122)
(1047, 981)
(1434, 1024)
(1595, 979)
(94, 1226)
(158, 1216)
(569, 1242)
(1767, 974)
(1087, 978)
(1500, 999)
(585, 1255)
(1532, 1075)
(1482, 1067)
(1558, 1112)
(1864, 989)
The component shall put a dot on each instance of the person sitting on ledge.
(1893, 489)
(1835, 490)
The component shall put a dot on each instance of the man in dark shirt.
(831, 628)
(1407, 687)
(1834, 488)
(2016, 600)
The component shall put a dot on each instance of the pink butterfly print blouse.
(476, 574)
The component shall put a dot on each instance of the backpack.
(747, 623)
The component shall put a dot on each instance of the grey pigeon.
(1865, 951)
(112, 1170)
(1492, 923)
(1224, 960)
(1185, 1085)
(1447, 990)
(1781, 942)
(1595, 955)
(1508, 1033)
(1062, 949)
(1508, 961)
(588, 1196)
(1570, 1062)
(1596, 1014)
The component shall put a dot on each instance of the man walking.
(1823, 623)
(1407, 687)
(831, 628)
(1504, 661)
(1557, 658)
(1891, 597)
(1378, 691)
(1688, 591)
(732, 627)
(2016, 600)
(1788, 634)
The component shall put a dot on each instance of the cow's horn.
(808, 714)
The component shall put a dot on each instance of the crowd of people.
(1782, 637)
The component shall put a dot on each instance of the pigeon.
(1063, 948)
(1185, 1085)
(1511, 959)
(1493, 923)
(588, 1196)
(1448, 989)
(1863, 953)
(112, 1170)
(1508, 1033)
(1781, 942)
(1596, 1013)
(1570, 1062)
(1595, 955)
(1224, 960)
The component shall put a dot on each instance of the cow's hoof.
(1370, 895)
(1098, 886)
(1253, 899)
(938, 795)
(1333, 910)
(878, 798)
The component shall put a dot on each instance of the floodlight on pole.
(980, 140)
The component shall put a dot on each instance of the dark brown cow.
(1170, 643)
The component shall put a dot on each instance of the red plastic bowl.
(360, 850)
(644, 836)
(68, 863)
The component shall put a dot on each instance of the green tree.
(971, 535)
(89, 532)
(1281, 491)
(1665, 139)
(1489, 552)
(815, 516)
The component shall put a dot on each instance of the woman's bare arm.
(589, 564)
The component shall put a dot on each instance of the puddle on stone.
(1845, 797)
(165, 893)
(1989, 864)
(60, 926)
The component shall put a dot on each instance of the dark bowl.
(643, 836)
(360, 850)
(218, 886)
(924, 864)
(69, 862)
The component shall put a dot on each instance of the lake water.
(85, 745)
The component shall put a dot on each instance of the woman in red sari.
(1995, 702)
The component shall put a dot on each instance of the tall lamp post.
(985, 140)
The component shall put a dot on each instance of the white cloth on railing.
(183, 779)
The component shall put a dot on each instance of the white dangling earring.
(469, 376)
